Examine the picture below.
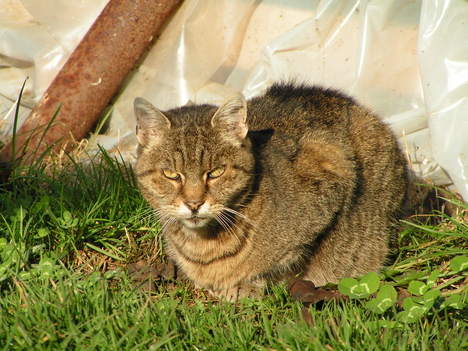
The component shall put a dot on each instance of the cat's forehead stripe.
(190, 152)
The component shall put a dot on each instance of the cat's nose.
(194, 205)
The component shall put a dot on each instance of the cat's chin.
(195, 222)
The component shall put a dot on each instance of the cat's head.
(195, 163)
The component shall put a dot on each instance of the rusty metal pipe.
(91, 76)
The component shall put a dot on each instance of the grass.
(67, 231)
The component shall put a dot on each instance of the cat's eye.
(217, 172)
(171, 174)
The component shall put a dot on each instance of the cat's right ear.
(151, 123)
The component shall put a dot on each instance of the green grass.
(66, 232)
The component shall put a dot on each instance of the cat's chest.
(205, 245)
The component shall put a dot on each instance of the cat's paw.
(238, 292)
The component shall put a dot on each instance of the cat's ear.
(231, 119)
(151, 123)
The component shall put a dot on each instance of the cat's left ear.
(151, 123)
(231, 119)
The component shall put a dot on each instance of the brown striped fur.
(299, 180)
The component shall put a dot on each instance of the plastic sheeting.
(407, 60)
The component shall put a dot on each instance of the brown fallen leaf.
(145, 275)
(306, 292)
(167, 270)
(402, 294)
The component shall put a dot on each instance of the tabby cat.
(302, 180)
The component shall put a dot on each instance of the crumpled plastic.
(406, 60)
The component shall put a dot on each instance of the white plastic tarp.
(407, 60)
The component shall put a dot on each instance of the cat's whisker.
(166, 220)
(148, 214)
(224, 223)
(248, 220)
(219, 216)
(163, 217)
(170, 221)
(229, 218)
(242, 225)
(228, 221)
(144, 215)
(228, 225)
(166, 224)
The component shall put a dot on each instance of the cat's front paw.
(238, 292)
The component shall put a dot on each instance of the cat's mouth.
(195, 222)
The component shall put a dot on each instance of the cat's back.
(294, 108)
(318, 135)
(296, 114)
